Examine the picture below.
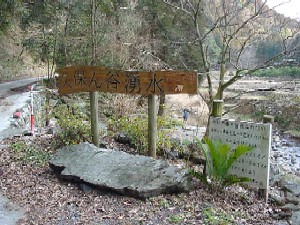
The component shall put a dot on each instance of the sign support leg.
(152, 125)
(31, 111)
(265, 192)
(94, 118)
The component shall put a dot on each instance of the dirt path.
(194, 103)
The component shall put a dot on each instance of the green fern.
(219, 159)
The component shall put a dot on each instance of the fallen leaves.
(48, 200)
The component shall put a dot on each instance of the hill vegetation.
(139, 34)
(229, 36)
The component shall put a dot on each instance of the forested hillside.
(229, 43)
(142, 34)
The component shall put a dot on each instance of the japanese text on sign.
(255, 164)
(88, 78)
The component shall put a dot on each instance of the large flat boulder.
(131, 175)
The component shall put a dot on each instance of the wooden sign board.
(75, 79)
(255, 164)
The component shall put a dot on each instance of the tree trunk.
(54, 48)
(65, 41)
(220, 92)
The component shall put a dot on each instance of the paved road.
(10, 103)
(5, 87)
(9, 212)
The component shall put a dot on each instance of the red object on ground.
(31, 123)
(31, 110)
(17, 114)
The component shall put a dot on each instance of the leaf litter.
(48, 200)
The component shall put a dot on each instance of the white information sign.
(255, 164)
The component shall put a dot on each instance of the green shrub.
(30, 154)
(219, 159)
(136, 128)
(294, 133)
(216, 217)
(290, 71)
(176, 219)
(258, 114)
(74, 126)
(282, 121)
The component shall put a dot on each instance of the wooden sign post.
(152, 125)
(74, 79)
(94, 117)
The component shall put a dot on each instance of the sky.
(290, 9)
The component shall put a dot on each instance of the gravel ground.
(47, 200)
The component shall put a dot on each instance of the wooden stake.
(217, 108)
(94, 117)
(152, 126)
(268, 119)
(264, 193)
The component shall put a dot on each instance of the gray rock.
(9, 132)
(175, 142)
(282, 216)
(293, 200)
(277, 197)
(131, 175)
(282, 222)
(122, 138)
(171, 154)
(289, 208)
(53, 130)
(9, 213)
(291, 183)
(85, 188)
(295, 219)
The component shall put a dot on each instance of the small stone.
(289, 208)
(51, 130)
(282, 222)
(122, 138)
(293, 200)
(295, 219)
(86, 188)
(17, 115)
(275, 197)
(171, 154)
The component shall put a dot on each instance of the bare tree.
(237, 26)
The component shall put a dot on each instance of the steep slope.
(15, 61)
